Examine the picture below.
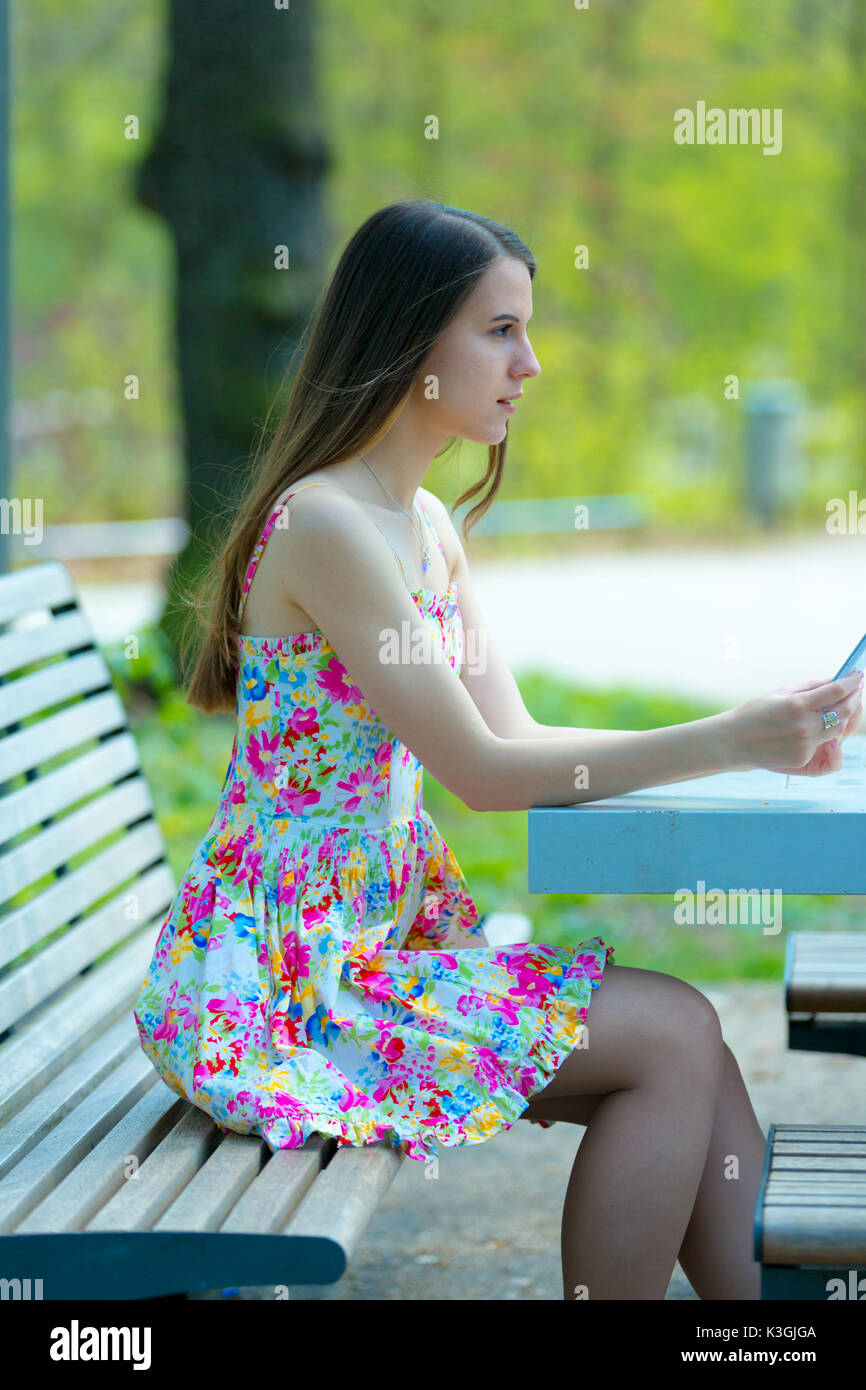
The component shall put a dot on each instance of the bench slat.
(826, 973)
(22, 1132)
(73, 834)
(208, 1198)
(35, 586)
(44, 1168)
(99, 1175)
(162, 1177)
(285, 1179)
(53, 791)
(33, 1055)
(58, 733)
(345, 1196)
(27, 986)
(64, 633)
(27, 695)
(77, 889)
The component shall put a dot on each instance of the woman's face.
(483, 355)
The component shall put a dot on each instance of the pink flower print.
(334, 680)
(589, 964)
(382, 756)
(469, 1003)
(431, 905)
(295, 800)
(262, 752)
(389, 1047)
(297, 956)
(230, 1007)
(187, 1011)
(197, 902)
(200, 1073)
(393, 1087)
(358, 785)
(351, 1097)
(508, 1008)
(490, 1067)
(534, 986)
(303, 722)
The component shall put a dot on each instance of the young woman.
(322, 968)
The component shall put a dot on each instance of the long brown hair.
(400, 280)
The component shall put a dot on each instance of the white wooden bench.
(112, 1186)
(746, 828)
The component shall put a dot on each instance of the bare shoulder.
(439, 515)
(318, 522)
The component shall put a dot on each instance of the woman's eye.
(504, 329)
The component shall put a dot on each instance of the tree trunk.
(237, 170)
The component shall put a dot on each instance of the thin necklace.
(425, 553)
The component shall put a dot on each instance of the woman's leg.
(716, 1253)
(655, 1061)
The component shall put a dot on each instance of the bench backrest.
(84, 879)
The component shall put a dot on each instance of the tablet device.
(855, 662)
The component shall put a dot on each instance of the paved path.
(723, 625)
(489, 1226)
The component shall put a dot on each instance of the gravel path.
(489, 1226)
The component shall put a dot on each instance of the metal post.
(773, 467)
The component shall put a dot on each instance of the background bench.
(83, 894)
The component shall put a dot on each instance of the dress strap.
(262, 542)
(433, 529)
(396, 556)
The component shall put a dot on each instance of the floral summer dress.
(322, 968)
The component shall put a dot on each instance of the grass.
(185, 756)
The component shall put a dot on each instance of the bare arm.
(338, 569)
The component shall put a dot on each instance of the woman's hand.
(828, 756)
(782, 731)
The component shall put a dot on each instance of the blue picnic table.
(730, 831)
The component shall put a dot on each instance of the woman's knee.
(670, 1027)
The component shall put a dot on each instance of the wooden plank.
(814, 1237)
(35, 587)
(34, 1053)
(27, 986)
(35, 744)
(345, 1196)
(75, 675)
(22, 1132)
(52, 792)
(804, 1164)
(211, 1193)
(78, 889)
(137, 1205)
(101, 1173)
(44, 1168)
(275, 1194)
(28, 645)
(73, 834)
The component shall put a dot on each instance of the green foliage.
(703, 261)
(142, 669)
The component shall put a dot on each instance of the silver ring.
(831, 719)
